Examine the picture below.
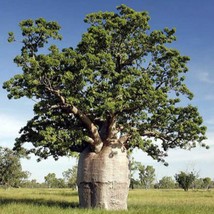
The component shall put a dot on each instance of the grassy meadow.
(64, 201)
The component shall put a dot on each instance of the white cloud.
(205, 77)
(199, 154)
(195, 155)
(198, 159)
(209, 97)
(9, 130)
(9, 126)
(39, 170)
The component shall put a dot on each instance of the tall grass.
(171, 202)
(64, 201)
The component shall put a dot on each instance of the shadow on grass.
(60, 193)
(39, 202)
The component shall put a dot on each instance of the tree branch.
(112, 128)
(124, 138)
(95, 141)
(156, 134)
(97, 144)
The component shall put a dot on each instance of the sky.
(193, 20)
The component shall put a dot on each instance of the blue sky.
(193, 20)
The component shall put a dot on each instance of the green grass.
(64, 201)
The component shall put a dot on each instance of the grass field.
(64, 201)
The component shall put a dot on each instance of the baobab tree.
(119, 89)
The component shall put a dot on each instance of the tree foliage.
(134, 168)
(121, 84)
(11, 174)
(185, 180)
(146, 175)
(207, 182)
(53, 182)
(70, 177)
(166, 182)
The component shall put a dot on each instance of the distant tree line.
(141, 176)
(144, 177)
(12, 175)
(51, 181)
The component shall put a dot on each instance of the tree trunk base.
(103, 178)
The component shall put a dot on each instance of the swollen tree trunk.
(103, 178)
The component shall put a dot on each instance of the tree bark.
(103, 178)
